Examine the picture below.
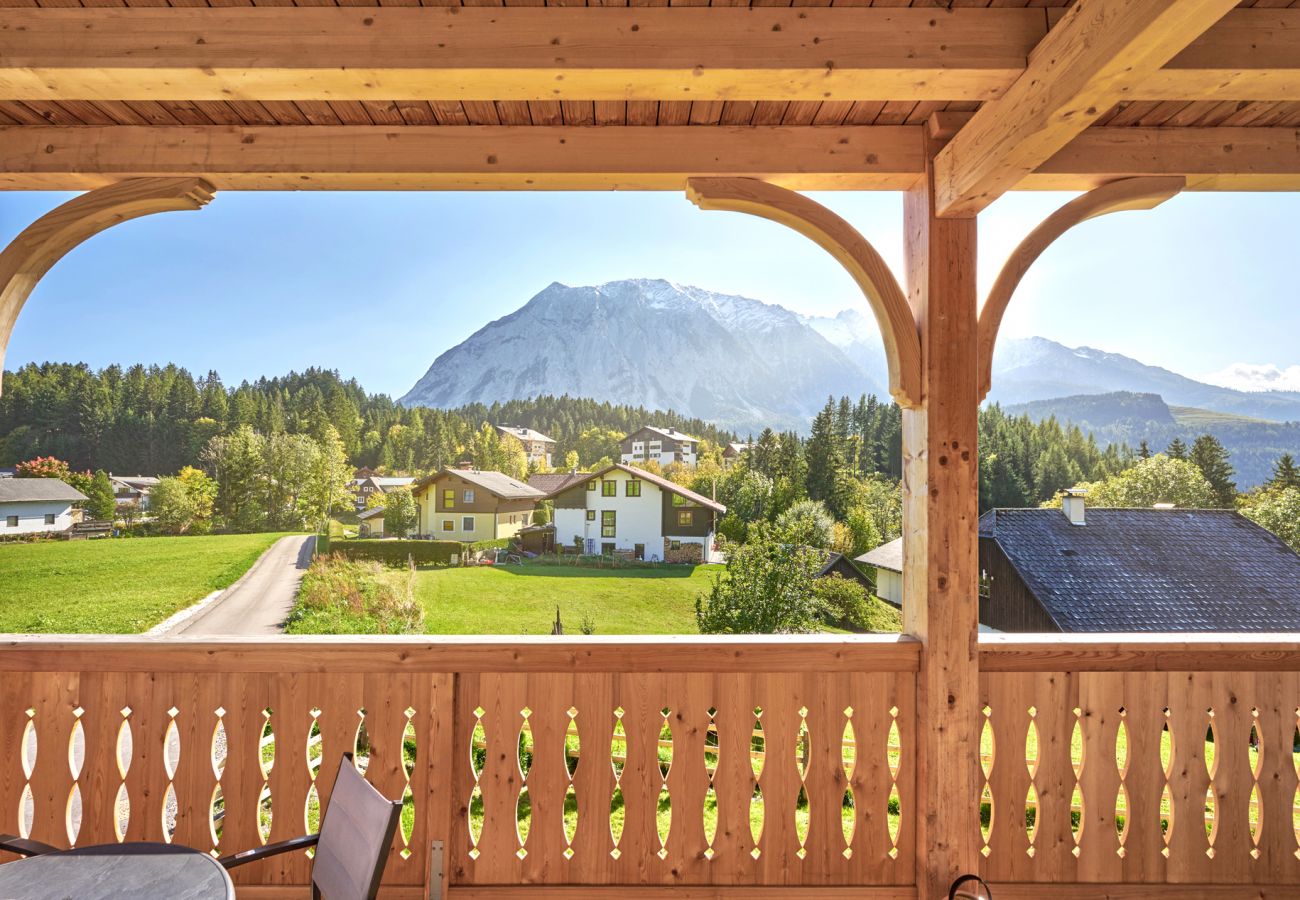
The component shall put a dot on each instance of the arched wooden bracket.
(47, 240)
(854, 252)
(1129, 193)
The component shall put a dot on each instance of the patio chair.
(353, 842)
(24, 846)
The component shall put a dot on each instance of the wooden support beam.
(1098, 54)
(850, 249)
(611, 157)
(466, 53)
(47, 240)
(521, 53)
(471, 157)
(1118, 196)
(940, 550)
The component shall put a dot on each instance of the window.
(609, 489)
(11, 521)
(986, 585)
(49, 518)
(467, 523)
(449, 498)
(686, 518)
(591, 515)
(674, 545)
(468, 496)
(607, 522)
(448, 525)
(633, 488)
(591, 485)
(655, 446)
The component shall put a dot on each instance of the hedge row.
(396, 553)
(498, 544)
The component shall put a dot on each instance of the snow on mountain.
(1256, 377)
(747, 365)
(736, 361)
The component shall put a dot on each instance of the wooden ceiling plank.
(1095, 56)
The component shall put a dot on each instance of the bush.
(767, 589)
(322, 544)
(479, 546)
(398, 553)
(343, 596)
(846, 604)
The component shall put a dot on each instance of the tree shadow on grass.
(657, 572)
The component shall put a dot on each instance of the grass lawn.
(116, 586)
(522, 599)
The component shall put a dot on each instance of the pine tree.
(823, 455)
(1177, 449)
(1144, 450)
(1211, 458)
(1285, 473)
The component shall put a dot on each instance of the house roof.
(554, 482)
(887, 556)
(136, 481)
(1152, 569)
(664, 484)
(735, 448)
(670, 433)
(838, 562)
(367, 514)
(498, 483)
(24, 490)
(385, 481)
(524, 434)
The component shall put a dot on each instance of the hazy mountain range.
(746, 364)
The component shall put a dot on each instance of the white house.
(663, 445)
(36, 505)
(628, 511)
(132, 490)
(887, 560)
(538, 447)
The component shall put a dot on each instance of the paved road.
(258, 603)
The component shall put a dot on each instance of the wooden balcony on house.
(1110, 766)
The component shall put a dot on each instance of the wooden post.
(940, 524)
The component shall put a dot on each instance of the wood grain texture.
(849, 248)
(1139, 653)
(940, 525)
(341, 655)
(1125, 194)
(1099, 53)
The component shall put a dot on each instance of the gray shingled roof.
(1152, 569)
(886, 556)
(554, 482)
(24, 490)
(498, 483)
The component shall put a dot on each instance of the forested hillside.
(157, 419)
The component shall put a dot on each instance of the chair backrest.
(356, 833)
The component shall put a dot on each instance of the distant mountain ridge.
(1126, 417)
(746, 364)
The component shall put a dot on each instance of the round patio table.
(135, 871)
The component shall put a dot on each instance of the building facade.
(471, 505)
(662, 445)
(621, 510)
(36, 506)
(538, 447)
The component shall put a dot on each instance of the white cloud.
(1256, 377)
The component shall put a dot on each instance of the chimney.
(1072, 505)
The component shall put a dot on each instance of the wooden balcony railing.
(775, 767)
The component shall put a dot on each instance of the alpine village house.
(470, 505)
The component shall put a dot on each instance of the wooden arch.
(854, 252)
(1129, 193)
(47, 240)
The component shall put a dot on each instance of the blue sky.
(376, 285)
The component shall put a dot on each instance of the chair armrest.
(23, 846)
(248, 856)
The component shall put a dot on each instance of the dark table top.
(135, 871)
